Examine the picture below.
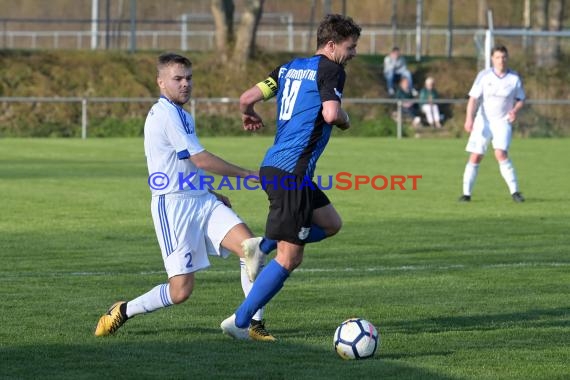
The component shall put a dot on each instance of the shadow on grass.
(197, 359)
(535, 318)
(62, 169)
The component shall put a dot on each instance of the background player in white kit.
(190, 222)
(500, 94)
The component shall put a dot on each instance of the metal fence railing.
(197, 103)
(434, 40)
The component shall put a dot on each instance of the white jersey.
(169, 141)
(497, 95)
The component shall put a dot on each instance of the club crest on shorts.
(304, 233)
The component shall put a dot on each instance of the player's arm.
(333, 114)
(512, 116)
(250, 119)
(214, 164)
(330, 80)
(264, 90)
(470, 113)
(475, 94)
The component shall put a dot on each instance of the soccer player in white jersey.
(500, 94)
(191, 221)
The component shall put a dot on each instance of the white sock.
(509, 175)
(246, 286)
(469, 176)
(157, 298)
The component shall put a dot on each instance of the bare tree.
(539, 23)
(244, 47)
(555, 21)
(223, 13)
(548, 15)
(527, 22)
(245, 39)
(482, 7)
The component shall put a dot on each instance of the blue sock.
(316, 234)
(266, 285)
(267, 245)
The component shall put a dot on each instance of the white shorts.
(189, 228)
(498, 131)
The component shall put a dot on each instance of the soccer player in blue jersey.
(191, 222)
(309, 92)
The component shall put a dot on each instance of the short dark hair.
(336, 28)
(167, 59)
(501, 48)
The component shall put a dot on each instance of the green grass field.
(457, 291)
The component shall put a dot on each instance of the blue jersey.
(303, 84)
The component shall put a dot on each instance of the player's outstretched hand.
(251, 122)
(345, 123)
(253, 176)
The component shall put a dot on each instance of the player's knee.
(296, 262)
(289, 261)
(180, 295)
(334, 226)
(292, 263)
(475, 158)
(501, 155)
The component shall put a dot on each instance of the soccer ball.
(356, 338)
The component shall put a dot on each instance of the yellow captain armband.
(268, 87)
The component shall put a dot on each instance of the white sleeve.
(181, 133)
(477, 88)
(519, 90)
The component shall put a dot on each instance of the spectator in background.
(427, 95)
(395, 68)
(409, 105)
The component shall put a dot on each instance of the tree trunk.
(540, 14)
(527, 22)
(548, 16)
(555, 14)
(223, 13)
(327, 7)
(482, 13)
(245, 37)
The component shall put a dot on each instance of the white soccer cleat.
(229, 328)
(253, 256)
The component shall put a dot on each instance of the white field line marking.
(403, 268)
